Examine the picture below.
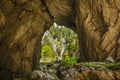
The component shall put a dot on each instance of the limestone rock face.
(23, 22)
(98, 28)
(62, 11)
(96, 23)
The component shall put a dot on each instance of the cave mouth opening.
(59, 43)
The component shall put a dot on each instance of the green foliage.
(113, 65)
(69, 62)
(54, 35)
(47, 52)
(66, 55)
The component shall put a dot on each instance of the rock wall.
(98, 28)
(23, 22)
(62, 11)
(96, 23)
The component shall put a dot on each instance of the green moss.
(113, 65)
(45, 63)
(100, 64)
(69, 62)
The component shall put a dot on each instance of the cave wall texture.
(98, 27)
(23, 22)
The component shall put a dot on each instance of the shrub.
(47, 52)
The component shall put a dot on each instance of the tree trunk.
(98, 28)
(22, 24)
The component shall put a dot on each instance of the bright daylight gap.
(59, 43)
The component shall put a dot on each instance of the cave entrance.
(59, 43)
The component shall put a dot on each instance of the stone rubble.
(74, 73)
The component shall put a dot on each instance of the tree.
(47, 53)
(61, 39)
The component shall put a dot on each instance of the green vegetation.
(59, 43)
(68, 62)
(100, 64)
(51, 53)
(47, 53)
(113, 65)
(93, 64)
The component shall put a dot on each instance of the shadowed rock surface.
(98, 27)
(23, 22)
